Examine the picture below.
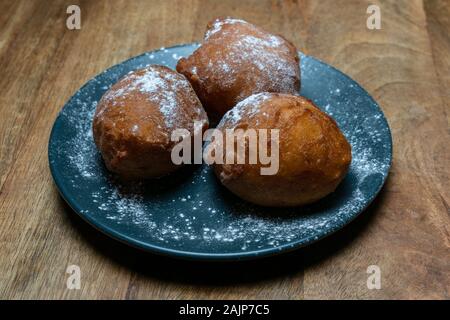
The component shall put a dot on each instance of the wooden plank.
(405, 232)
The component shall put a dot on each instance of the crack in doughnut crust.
(238, 59)
(134, 120)
(314, 155)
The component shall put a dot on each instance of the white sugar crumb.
(160, 87)
(135, 128)
(249, 107)
(225, 67)
(176, 57)
(82, 144)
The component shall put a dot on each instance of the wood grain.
(406, 232)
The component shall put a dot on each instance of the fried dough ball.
(238, 59)
(314, 155)
(134, 120)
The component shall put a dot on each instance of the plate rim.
(192, 255)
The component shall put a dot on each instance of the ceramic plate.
(189, 214)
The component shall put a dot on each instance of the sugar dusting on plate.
(196, 212)
(241, 224)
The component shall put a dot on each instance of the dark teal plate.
(189, 214)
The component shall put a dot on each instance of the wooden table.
(406, 232)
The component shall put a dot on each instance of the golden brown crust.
(236, 60)
(134, 120)
(314, 155)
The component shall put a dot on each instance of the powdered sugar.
(248, 107)
(81, 146)
(160, 87)
(269, 41)
(257, 51)
(190, 211)
(218, 24)
(242, 50)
